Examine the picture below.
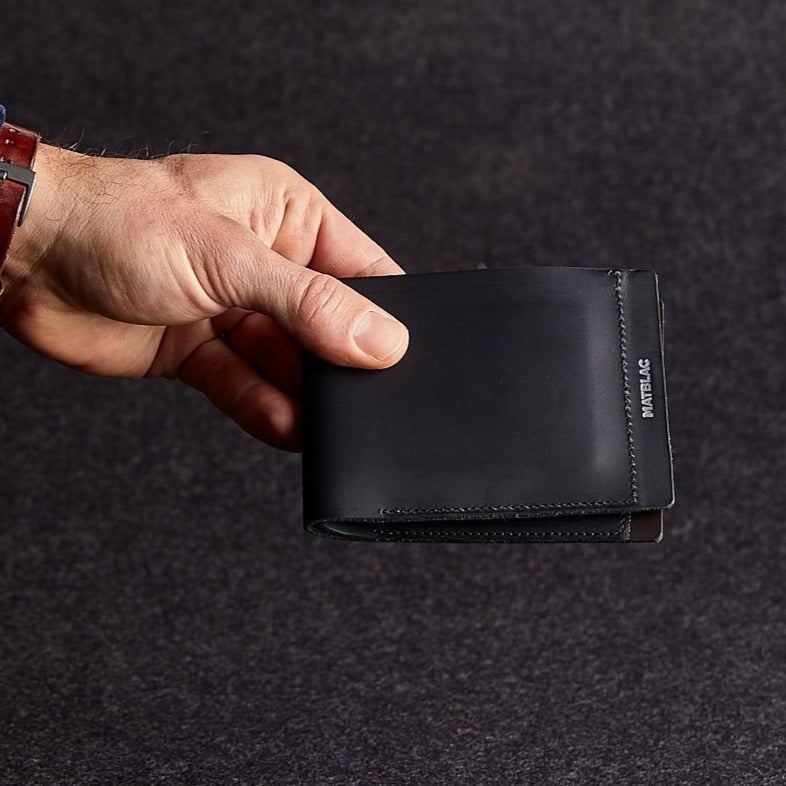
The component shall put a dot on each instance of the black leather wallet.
(530, 406)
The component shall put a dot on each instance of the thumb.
(324, 315)
(336, 322)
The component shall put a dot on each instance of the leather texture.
(521, 412)
(17, 146)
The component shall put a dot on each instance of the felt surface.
(163, 618)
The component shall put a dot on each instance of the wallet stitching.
(496, 533)
(625, 387)
(474, 508)
(561, 505)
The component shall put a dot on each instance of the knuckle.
(280, 167)
(271, 169)
(320, 301)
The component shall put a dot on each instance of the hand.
(214, 269)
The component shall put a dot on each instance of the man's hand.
(213, 269)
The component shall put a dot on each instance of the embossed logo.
(645, 388)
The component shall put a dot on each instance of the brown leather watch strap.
(17, 155)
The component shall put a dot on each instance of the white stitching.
(625, 388)
(508, 508)
(624, 521)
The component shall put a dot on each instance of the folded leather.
(530, 406)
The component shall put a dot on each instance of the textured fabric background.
(163, 618)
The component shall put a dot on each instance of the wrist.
(46, 217)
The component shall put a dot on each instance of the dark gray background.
(163, 617)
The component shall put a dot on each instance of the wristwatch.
(17, 155)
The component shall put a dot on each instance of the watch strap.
(18, 148)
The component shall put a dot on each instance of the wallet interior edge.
(625, 527)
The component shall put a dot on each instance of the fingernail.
(379, 336)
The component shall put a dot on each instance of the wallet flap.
(525, 393)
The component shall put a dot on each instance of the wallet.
(530, 406)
